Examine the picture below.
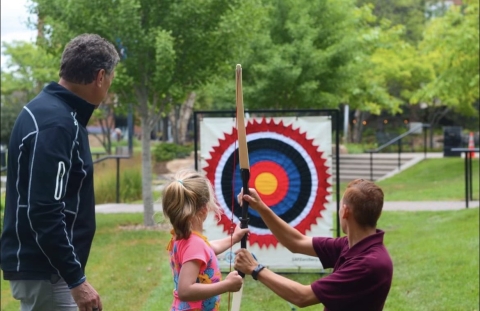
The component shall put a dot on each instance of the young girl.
(186, 202)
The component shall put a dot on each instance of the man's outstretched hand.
(244, 261)
(253, 199)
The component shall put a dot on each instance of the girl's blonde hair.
(184, 197)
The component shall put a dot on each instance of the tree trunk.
(185, 114)
(437, 116)
(414, 112)
(147, 174)
(165, 129)
(173, 116)
(360, 116)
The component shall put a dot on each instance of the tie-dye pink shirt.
(196, 247)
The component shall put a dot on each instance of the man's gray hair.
(84, 56)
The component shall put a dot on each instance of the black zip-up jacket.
(49, 219)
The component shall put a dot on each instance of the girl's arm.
(221, 245)
(190, 290)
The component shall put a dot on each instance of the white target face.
(288, 168)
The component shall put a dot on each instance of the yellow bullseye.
(266, 183)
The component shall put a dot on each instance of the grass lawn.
(439, 179)
(435, 255)
(432, 180)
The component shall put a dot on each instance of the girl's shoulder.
(194, 247)
(195, 239)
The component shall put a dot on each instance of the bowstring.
(232, 225)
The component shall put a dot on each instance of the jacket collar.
(83, 108)
(366, 243)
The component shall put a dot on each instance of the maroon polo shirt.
(361, 276)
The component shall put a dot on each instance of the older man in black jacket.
(49, 220)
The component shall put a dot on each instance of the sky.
(14, 17)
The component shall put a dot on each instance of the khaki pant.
(43, 295)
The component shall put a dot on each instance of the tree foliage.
(411, 14)
(322, 54)
(11, 106)
(304, 58)
(451, 43)
(27, 69)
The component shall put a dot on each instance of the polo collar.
(366, 243)
(83, 108)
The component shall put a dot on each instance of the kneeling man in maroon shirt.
(362, 268)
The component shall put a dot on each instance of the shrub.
(130, 186)
(170, 151)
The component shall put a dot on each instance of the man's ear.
(346, 211)
(100, 78)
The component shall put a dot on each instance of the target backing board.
(290, 167)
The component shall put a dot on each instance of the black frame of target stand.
(332, 113)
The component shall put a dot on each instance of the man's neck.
(80, 90)
(357, 234)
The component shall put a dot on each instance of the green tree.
(27, 69)
(170, 48)
(451, 43)
(409, 13)
(322, 54)
(303, 58)
(389, 69)
(11, 105)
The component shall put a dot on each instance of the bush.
(130, 186)
(169, 151)
(359, 148)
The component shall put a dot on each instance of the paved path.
(427, 205)
(388, 206)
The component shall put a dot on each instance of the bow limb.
(244, 170)
(236, 300)
(242, 152)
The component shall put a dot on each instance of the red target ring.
(270, 180)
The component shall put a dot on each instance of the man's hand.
(86, 297)
(244, 261)
(253, 199)
(234, 281)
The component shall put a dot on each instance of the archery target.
(288, 168)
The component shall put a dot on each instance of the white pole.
(345, 124)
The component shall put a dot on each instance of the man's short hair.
(365, 200)
(84, 56)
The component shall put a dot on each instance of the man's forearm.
(50, 234)
(293, 292)
(285, 234)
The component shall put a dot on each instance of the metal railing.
(98, 160)
(117, 157)
(398, 140)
